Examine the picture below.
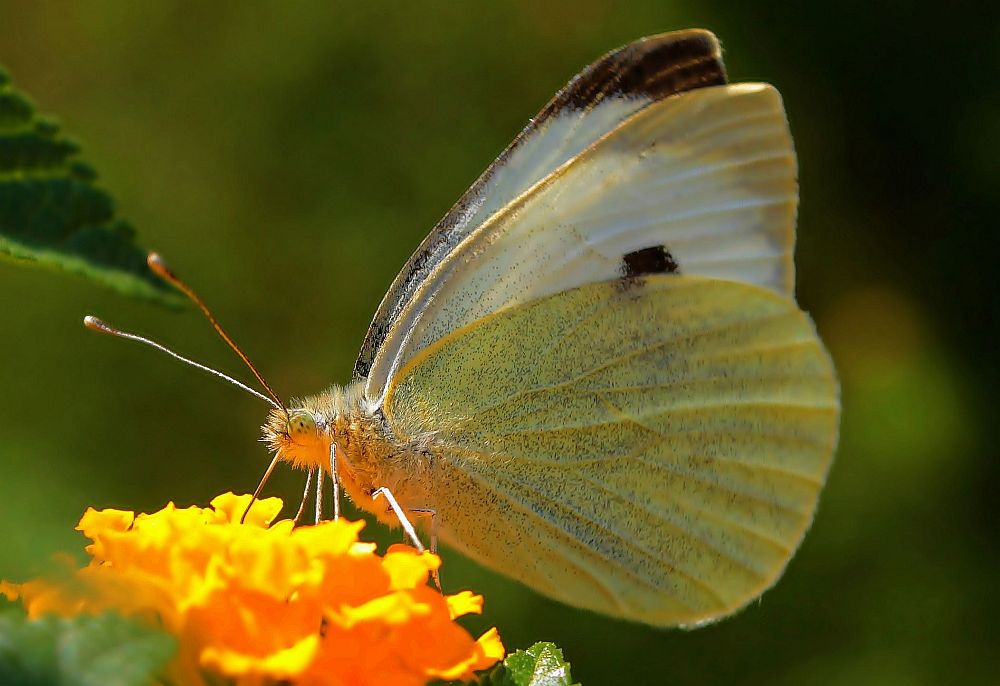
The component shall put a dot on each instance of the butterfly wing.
(698, 183)
(596, 101)
(651, 448)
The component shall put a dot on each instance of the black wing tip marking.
(654, 68)
(655, 259)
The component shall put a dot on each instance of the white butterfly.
(593, 372)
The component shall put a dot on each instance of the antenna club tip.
(156, 263)
(95, 324)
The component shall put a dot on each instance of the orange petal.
(10, 591)
(486, 652)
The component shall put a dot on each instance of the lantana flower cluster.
(259, 603)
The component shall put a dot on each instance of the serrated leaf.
(53, 214)
(102, 650)
(540, 665)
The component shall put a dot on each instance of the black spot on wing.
(652, 260)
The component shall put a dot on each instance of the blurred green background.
(287, 158)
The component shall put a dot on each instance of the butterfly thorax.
(367, 455)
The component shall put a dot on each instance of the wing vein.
(718, 552)
(687, 336)
(586, 518)
(759, 535)
(606, 459)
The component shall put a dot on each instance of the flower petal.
(253, 603)
(464, 603)
(10, 591)
(407, 568)
(232, 507)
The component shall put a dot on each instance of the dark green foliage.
(104, 650)
(51, 213)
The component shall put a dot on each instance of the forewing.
(699, 183)
(650, 448)
(596, 101)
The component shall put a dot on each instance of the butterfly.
(593, 375)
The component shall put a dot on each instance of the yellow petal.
(407, 568)
(464, 603)
(280, 665)
(395, 608)
(330, 538)
(233, 506)
(492, 648)
(96, 524)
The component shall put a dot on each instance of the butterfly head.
(298, 436)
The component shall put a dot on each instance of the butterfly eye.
(301, 424)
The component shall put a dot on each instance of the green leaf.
(102, 650)
(53, 214)
(540, 665)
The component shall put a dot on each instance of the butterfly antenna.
(95, 324)
(260, 486)
(160, 268)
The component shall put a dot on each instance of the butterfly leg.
(403, 520)
(305, 496)
(432, 513)
(319, 495)
(336, 481)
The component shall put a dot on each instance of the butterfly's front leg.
(407, 525)
(400, 515)
(336, 481)
(432, 513)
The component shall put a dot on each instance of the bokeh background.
(288, 157)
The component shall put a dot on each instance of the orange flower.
(260, 603)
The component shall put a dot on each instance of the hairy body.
(367, 455)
